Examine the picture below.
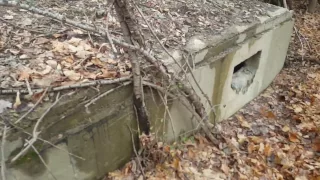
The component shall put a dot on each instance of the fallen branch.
(74, 86)
(138, 94)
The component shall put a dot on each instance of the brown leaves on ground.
(276, 136)
(54, 60)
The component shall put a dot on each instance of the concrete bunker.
(236, 55)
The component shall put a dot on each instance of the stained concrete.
(101, 134)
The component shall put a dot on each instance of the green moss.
(30, 163)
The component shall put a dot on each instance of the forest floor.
(276, 136)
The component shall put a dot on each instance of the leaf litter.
(276, 136)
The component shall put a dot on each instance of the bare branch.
(42, 160)
(33, 107)
(82, 85)
(35, 132)
(136, 153)
(106, 93)
(205, 127)
(48, 142)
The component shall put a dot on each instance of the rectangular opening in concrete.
(244, 73)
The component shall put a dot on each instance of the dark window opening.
(244, 73)
(238, 67)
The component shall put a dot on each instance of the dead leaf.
(251, 148)
(44, 81)
(267, 150)
(88, 75)
(41, 40)
(256, 139)
(75, 41)
(112, 61)
(241, 138)
(285, 129)
(300, 178)
(225, 168)
(316, 145)
(267, 114)
(310, 126)
(57, 35)
(107, 74)
(176, 164)
(47, 70)
(72, 75)
(14, 51)
(69, 59)
(293, 137)
(166, 149)
(97, 62)
(52, 63)
(24, 75)
(243, 122)
(191, 154)
(298, 109)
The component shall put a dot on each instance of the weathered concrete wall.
(101, 135)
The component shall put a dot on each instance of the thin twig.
(74, 86)
(165, 103)
(136, 153)
(205, 127)
(35, 132)
(193, 97)
(48, 142)
(28, 87)
(302, 46)
(3, 160)
(202, 92)
(106, 93)
(42, 160)
(114, 49)
(33, 107)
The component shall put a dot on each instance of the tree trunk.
(312, 7)
(127, 26)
